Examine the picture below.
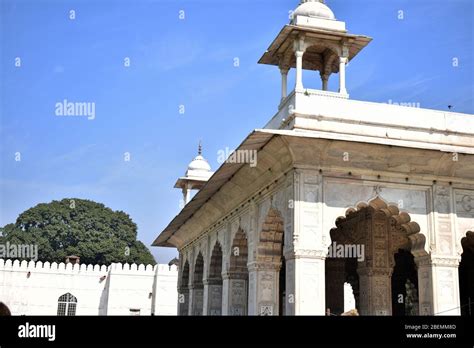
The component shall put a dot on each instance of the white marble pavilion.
(394, 182)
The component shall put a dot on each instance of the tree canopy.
(90, 230)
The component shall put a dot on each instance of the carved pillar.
(225, 294)
(444, 260)
(375, 291)
(305, 246)
(183, 288)
(191, 301)
(425, 285)
(305, 282)
(375, 271)
(213, 299)
(264, 278)
(183, 301)
(197, 296)
(235, 285)
(205, 282)
(190, 282)
(196, 292)
(235, 278)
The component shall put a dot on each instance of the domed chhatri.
(199, 166)
(198, 173)
(314, 8)
(313, 40)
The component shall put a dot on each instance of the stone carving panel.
(198, 301)
(266, 283)
(215, 300)
(238, 297)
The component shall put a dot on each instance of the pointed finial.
(200, 148)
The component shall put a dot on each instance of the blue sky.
(186, 62)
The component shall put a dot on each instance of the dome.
(314, 8)
(199, 164)
(199, 169)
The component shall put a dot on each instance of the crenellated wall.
(33, 288)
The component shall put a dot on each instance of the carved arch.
(239, 253)
(404, 233)
(215, 267)
(270, 243)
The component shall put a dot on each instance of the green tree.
(90, 230)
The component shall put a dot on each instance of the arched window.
(67, 304)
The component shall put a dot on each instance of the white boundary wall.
(33, 288)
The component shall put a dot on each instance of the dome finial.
(200, 147)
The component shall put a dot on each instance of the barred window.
(67, 304)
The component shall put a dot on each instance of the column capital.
(305, 254)
(196, 286)
(264, 266)
(212, 281)
(434, 260)
(299, 54)
(284, 70)
(299, 44)
(343, 60)
(234, 275)
(368, 271)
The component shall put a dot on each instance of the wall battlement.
(34, 287)
(54, 267)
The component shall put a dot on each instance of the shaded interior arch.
(466, 275)
(238, 275)
(198, 285)
(215, 281)
(404, 285)
(239, 253)
(270, 250)
(270, 245)
(384, 279)
(183, 291)
(215, 269)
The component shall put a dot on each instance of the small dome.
(314, 8)
(199, 164)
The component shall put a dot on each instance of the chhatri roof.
(198, 172)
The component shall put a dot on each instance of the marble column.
(284, 83)
(183, 301)
(235, 294)
(213, 300)
(375, 291)
(264, 288)
(299, 70)
(342, 75)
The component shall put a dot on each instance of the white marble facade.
(396, 181)
(306, 204)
